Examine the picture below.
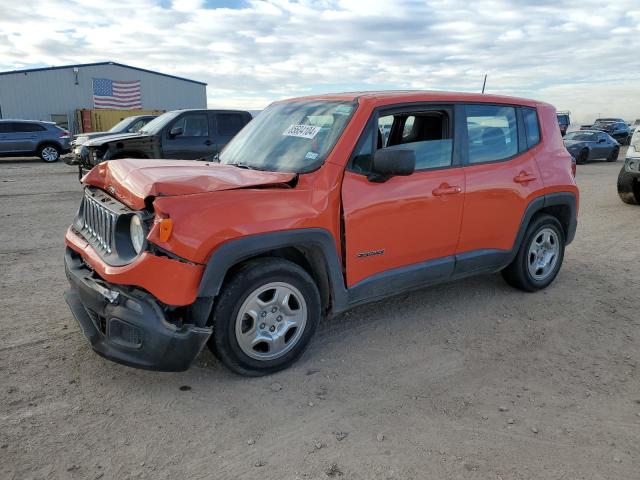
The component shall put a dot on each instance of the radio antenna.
(484, 83)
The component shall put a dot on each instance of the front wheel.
(613, 156)
(539, 257)
(49, 153)
(265, 317)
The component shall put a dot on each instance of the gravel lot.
(467, 380)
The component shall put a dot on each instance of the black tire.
(517, 272)
(250, 277)
(583, 157)
(613, 156)
(49, 152)
(628, 188)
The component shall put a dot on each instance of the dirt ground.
(470, 380)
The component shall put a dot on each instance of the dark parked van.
(179, 134)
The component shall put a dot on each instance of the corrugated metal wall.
(38, 95)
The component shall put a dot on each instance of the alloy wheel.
(543, 254)
(271, 321)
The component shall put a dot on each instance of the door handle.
(446, 189)
(208, 143)
(524, 177)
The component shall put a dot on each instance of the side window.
(531, 126)
(363, 154)
(22, 127)
(492, 133)
(229, 124)
(193, 125)
(428, 133)
(137, 125)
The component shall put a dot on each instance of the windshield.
(121, 126)
(158, 123)
(289, 137)
(581, 136)
(635, 140)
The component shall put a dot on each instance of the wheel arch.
(560, 205)
(312, 249)
(44, 143)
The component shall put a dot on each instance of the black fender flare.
(238, 250)
(562, 199)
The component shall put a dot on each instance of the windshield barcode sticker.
(302, 131)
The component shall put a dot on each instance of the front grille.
(97, 223)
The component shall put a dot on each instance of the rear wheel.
(49, 153)
(583, 157)
(539, 257)
(613, 156)
(628, 188)
(265, 317)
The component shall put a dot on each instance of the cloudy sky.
(582, 56)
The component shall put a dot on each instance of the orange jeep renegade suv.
(317, 205)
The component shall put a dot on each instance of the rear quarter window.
(531, 126)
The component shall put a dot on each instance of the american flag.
(116, 94)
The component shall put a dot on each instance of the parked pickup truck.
(179, 134)
(309, 212)
(629, 176)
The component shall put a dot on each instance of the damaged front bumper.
(129, 326)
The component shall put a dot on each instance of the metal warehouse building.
(55, 93)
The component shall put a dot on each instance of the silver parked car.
(28, 138)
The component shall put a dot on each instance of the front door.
(406, 223)
(196, 140)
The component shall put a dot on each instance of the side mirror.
(389, 163)
(176, 131)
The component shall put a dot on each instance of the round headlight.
(136, 230)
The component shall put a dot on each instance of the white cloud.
(581, 57)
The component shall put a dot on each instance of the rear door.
(502, 177)
(228, 124)
(24, 136)
(405, 221)
(196, 140)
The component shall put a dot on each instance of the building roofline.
(78, 65)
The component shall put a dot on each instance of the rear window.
(492, 133)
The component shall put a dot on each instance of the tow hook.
(109, 295)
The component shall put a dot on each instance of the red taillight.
(64, 134)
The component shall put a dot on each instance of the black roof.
(78, 65)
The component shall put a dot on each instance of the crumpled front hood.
(132, 180)
(99, 140)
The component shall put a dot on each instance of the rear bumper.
(128, 326)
